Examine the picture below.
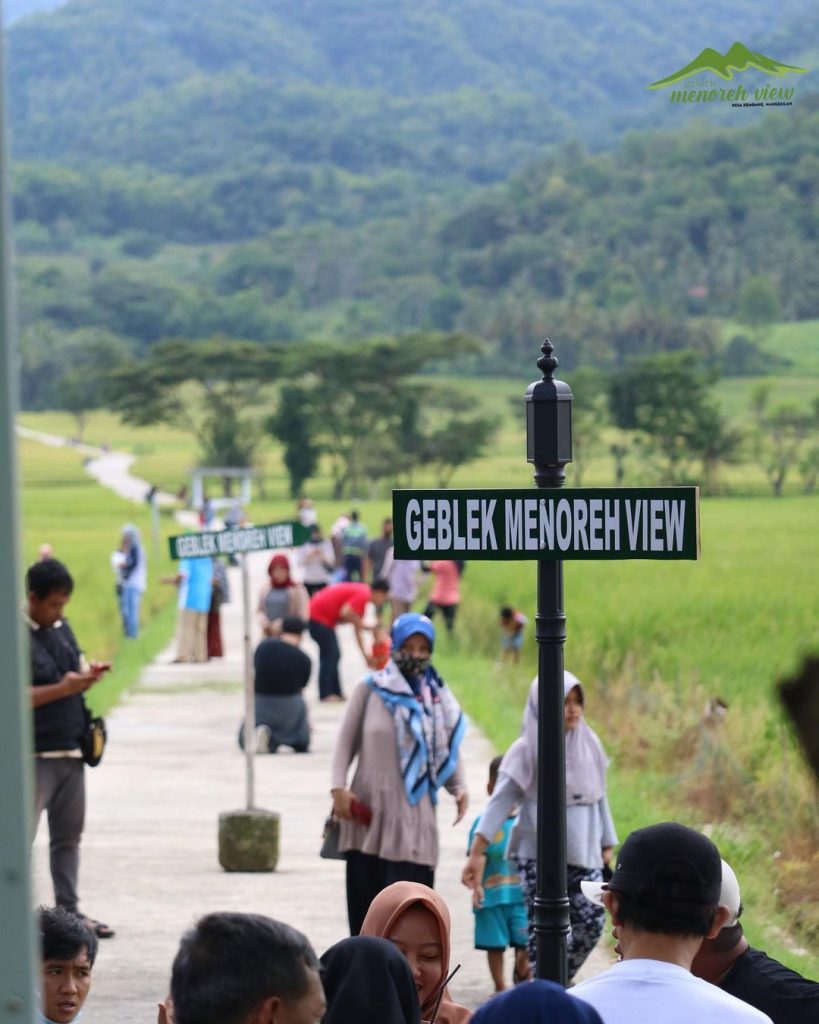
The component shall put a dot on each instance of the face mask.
(411, 667)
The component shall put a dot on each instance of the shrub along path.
(149, 858)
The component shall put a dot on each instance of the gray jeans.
(60, 791)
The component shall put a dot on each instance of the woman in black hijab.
(368, 981)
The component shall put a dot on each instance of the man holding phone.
(60, 675)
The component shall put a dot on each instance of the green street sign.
(239, 541)
(547, 525)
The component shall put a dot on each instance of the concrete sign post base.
(249, 840)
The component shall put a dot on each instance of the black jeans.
(447, 610)
(329, 657)
(367, 875)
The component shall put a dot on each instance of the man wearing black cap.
(664, 898)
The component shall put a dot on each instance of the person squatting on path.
(244, 969)
(282, 670)
(368, 981)
(416, 920)
(280, 596)
(590, 831)
(405, 727)
(68, 949)
(729, 961)
(60, 675)
(330, 607)
(664, 899)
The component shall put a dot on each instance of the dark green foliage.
(273, 171)
(665, 399)
(295, 427)
(781, 435)
(209, 388)
(743, 357)
(478, 84)
(758, 305)
(362, 406)
(456, 442)
(63, 370)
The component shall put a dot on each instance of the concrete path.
(149, 863)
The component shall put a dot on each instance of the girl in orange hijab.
(416, 920)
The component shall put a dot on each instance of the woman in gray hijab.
(590, 833)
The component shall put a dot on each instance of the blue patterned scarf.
(429, 728)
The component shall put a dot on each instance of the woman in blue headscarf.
(404, 727)
(538, 1002)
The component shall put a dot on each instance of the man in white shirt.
(664, 898)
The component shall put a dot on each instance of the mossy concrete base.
(249, 840)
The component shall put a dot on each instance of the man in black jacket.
(60, 675)
(730, 962)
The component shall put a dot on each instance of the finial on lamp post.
(548, 363)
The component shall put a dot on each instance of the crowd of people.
(674, 904)
(674, 907)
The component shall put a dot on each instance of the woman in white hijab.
(590, 833)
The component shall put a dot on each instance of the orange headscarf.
(385, 910)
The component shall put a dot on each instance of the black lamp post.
(549, 448)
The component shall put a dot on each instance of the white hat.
(593, 891)
(729, 894)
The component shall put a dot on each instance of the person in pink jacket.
(446, 591)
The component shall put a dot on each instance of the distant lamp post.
(549, 448)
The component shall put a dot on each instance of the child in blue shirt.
(500, 920)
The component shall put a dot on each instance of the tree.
(758, 305)
(781, 433)
(362, 404)
(665, 398)
(294, 425)
(809, 468)
(589, 415)
(88, 354)
(722, 444)
(211, 389)
(458, 441)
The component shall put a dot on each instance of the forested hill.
(467, 89)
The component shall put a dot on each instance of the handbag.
(93, 740)
(330, 839)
